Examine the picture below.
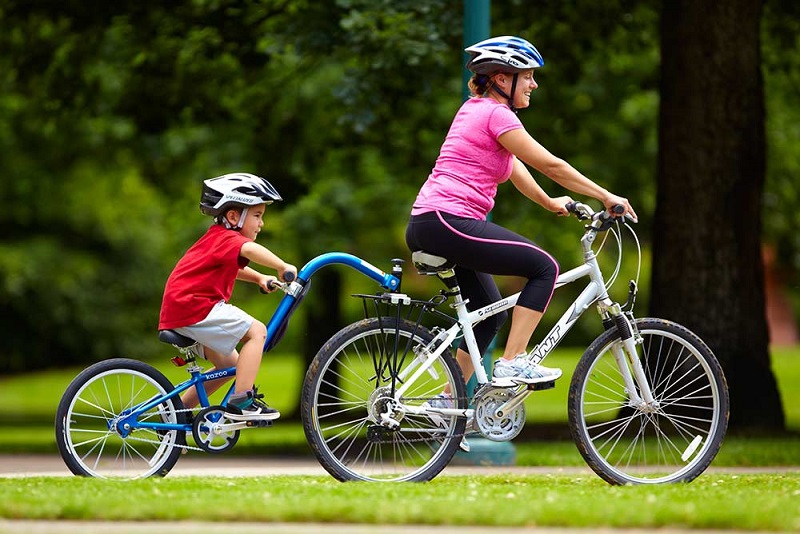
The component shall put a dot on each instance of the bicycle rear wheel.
(673, 441)
(87, 431)
(348, 386)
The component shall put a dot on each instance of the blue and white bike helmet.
(233, 190)
(503, 54)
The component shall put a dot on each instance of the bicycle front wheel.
(349, 386)
(672, 440)
(89, 437)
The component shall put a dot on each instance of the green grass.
(710, 502)
(28, 404)
(786, 367)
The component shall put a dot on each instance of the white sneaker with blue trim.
(525, 371)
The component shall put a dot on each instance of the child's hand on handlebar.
(288, 273)
(268, 284)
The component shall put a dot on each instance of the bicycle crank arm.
(515, 401)
(216, 429)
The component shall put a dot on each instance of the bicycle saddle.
(174, 338)
(427, 263)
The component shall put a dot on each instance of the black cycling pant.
(481, 249)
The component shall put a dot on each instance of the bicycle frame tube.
(129, 417)
(286, 305)
(594, 290)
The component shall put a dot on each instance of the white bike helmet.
(236, 189)
(503, 54)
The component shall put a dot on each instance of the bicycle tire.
(85, 422)
(674, 442)
(337, 419)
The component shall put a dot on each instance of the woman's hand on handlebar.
(612, 204)
(559, 205)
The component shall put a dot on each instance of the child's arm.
(262, 256)
(264, 281)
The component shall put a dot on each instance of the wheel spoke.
(346, 401)
(672, 439)
(97, 401)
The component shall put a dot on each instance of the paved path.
(20, 465)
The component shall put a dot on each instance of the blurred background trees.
(111, 114)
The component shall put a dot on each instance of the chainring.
(504, 428)
(208, 433)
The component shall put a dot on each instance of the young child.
(196, 295)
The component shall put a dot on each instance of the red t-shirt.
(203, 276)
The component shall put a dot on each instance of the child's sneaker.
(251, 406)
(522, 368)
(444, 401)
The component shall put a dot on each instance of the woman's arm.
(524, 181)
(520, 143)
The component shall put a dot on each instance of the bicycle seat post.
(397, 271)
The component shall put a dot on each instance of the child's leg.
(250, 356)
(220, 361)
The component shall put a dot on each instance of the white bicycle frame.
(625, 353)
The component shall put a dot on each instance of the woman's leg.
(480, 247)
(523, 322)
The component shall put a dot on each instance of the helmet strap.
(242, 216)
(238, 224)
(504, 95)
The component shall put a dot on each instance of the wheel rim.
(342, 416)
(658, 444)
(92, 439)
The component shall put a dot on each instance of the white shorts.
(221, 330)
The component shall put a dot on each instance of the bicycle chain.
(419, 440)
(159, 442)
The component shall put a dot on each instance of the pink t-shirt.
(471, 162)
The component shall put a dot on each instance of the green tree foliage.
(111, 114)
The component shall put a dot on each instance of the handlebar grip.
(570, 206)
(272, 285)
(619, 209)
(288, 276)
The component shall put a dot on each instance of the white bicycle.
(648, 402)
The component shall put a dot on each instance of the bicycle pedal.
(541, 386)
(261, 423)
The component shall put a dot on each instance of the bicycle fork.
(627, 358)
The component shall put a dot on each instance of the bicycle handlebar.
(584, 211)
(288, 278)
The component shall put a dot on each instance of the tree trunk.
(707, 269)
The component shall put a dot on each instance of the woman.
(487, 145)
